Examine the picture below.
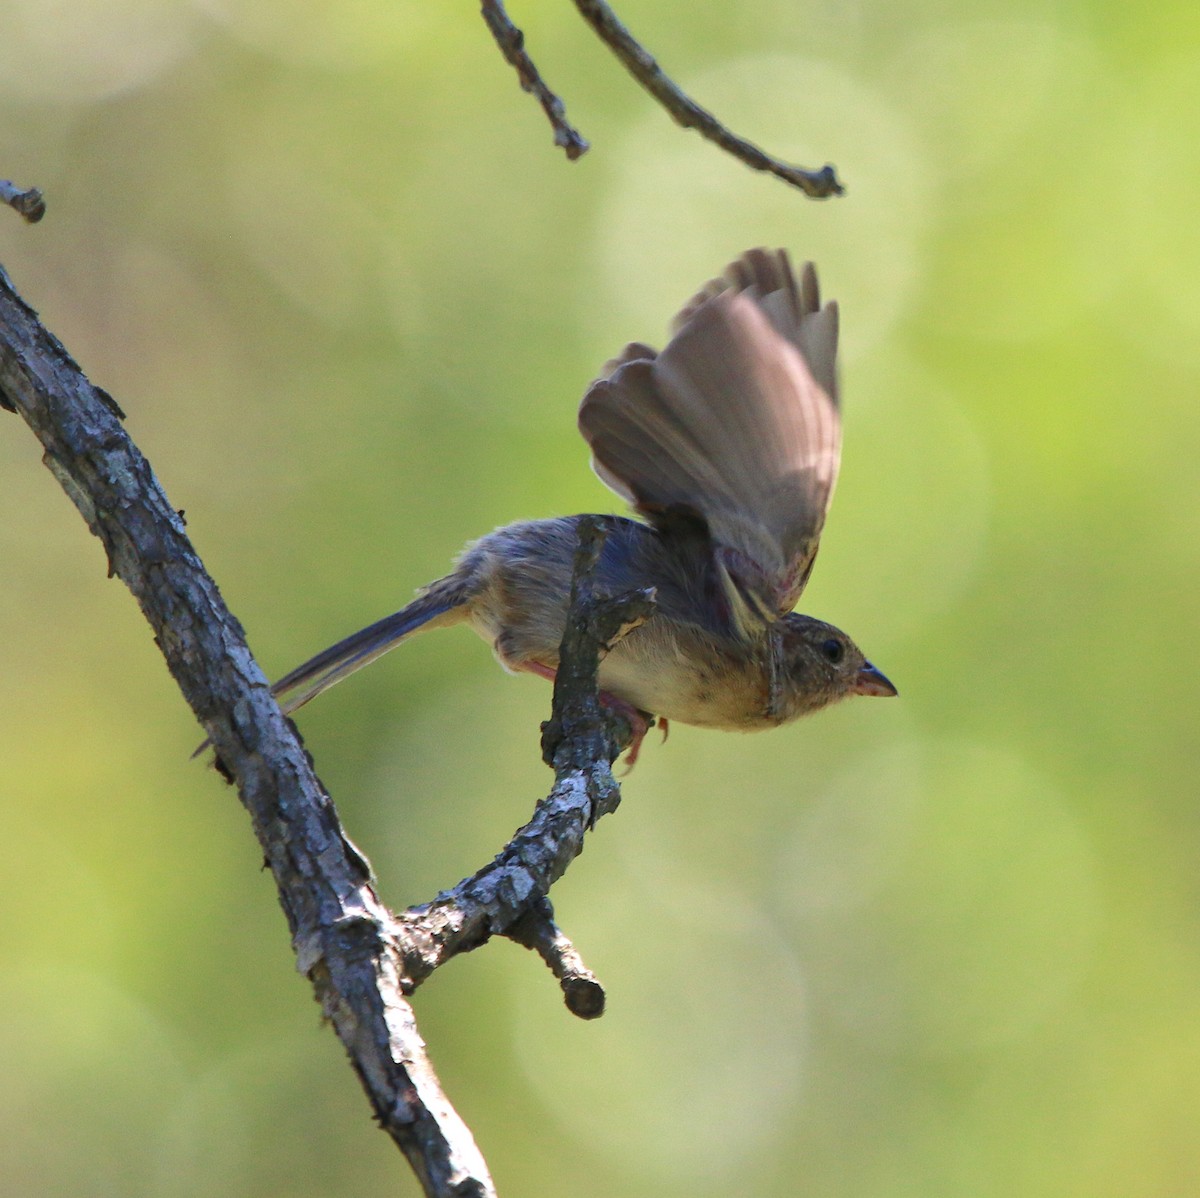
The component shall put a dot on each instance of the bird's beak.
(869, 681)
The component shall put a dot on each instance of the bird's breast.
(685, 675)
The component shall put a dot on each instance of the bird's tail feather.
(441, 603)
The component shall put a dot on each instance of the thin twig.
(29, 203)
(644, 68)
(512, 45)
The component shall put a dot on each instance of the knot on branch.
(29, 202)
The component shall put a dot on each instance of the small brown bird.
(727, 443)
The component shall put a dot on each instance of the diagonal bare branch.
(512, 45)
(641, 64)
(362, 961)
(342, 933)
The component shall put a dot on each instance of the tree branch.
(579, 742)
(29, 203)
(512, 45)
(641, 64)
(341, 931)
(362, 960)
(582, 991)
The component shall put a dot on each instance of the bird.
(726, 444)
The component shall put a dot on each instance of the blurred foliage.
(348, 293)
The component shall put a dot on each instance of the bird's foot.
(640, 722)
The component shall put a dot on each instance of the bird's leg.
(639, 721)
(639, 725)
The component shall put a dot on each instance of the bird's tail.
(440, 603)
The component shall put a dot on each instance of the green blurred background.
(348, 293)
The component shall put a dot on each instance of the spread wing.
(736, 424)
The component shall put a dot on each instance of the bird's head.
(822, 665)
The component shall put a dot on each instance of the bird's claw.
(640, 722)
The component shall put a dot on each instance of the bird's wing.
(736, 424)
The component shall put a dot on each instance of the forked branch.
(362, 961)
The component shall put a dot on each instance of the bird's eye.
(834, 650)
